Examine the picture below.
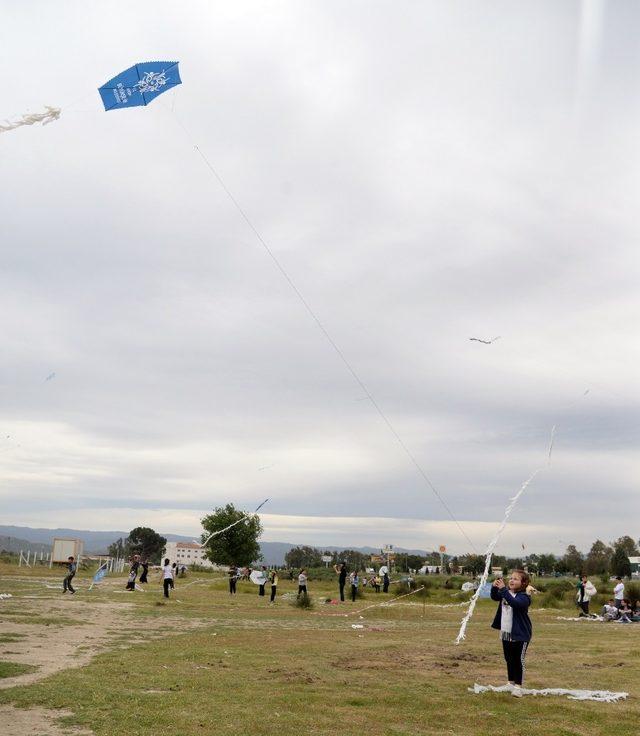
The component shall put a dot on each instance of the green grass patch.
(13, 669)
(6, 638)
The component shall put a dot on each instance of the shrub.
(401, 588)
(302, 601)
(454, 582)
(632, 592)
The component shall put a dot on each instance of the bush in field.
(558, 593)
(454, 582)
(632, 592)
(401, 588)
(302, 601)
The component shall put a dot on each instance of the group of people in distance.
(618, 608)
(270, 577)
(375, 581)
(266, 576)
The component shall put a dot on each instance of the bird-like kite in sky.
(484, 342)
(140, 84)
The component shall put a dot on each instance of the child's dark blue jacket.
(521, 629)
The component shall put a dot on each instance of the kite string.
(324, 331)
(496, 537)
(489, 554)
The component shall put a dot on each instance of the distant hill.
(25, 538)
(94, 542)
(15, 544)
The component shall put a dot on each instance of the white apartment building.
(187, 553)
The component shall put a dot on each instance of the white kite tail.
(489, 553)
(50, 114)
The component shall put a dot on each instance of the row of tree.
(236, 534)
(601, 559)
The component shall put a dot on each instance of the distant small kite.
(140, 84)
(50, 377)
(51, 114)
(484, 342)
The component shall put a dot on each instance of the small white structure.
(187, 553)
(63, 548)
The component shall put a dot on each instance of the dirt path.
(52, 647)
(33, 632)
(36, 722)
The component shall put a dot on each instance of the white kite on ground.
(602, 696)
(51, 114)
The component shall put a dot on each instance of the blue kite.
(140, 84)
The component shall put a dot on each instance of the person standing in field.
(385, 581)
(71, 571)
(586, 591)
(513, 622)
(273, 579)
(618, 592)
(233, 576)
(133, 572)
(341, 569)
(167, 576)
(302, 582)
(355, 581)
(145, 570)
(264, 577)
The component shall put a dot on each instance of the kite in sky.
(484, 342)
(50, 114)
(140, 84)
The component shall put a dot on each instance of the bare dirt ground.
(54, 634)
(36, 722)
(52, 646)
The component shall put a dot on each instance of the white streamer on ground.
(601, 696)
(242, 518)
(50, 114)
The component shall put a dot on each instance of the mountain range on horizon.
(15, 538)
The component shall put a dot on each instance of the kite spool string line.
(373, 605)
(323, 330)
(494, 541)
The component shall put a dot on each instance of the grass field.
(117, 664)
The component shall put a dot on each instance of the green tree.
(620, 564)
(546, 564)
(238, 545)
(118, 549)
(472, 563)
(598, 560)
(627, 545)
(514, 563)
(355, 560)
(146, 542)
(573, 560)
(415, 562)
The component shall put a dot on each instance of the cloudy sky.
(423, 172)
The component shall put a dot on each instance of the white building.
(187, 553)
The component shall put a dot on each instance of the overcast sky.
(424, 172)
